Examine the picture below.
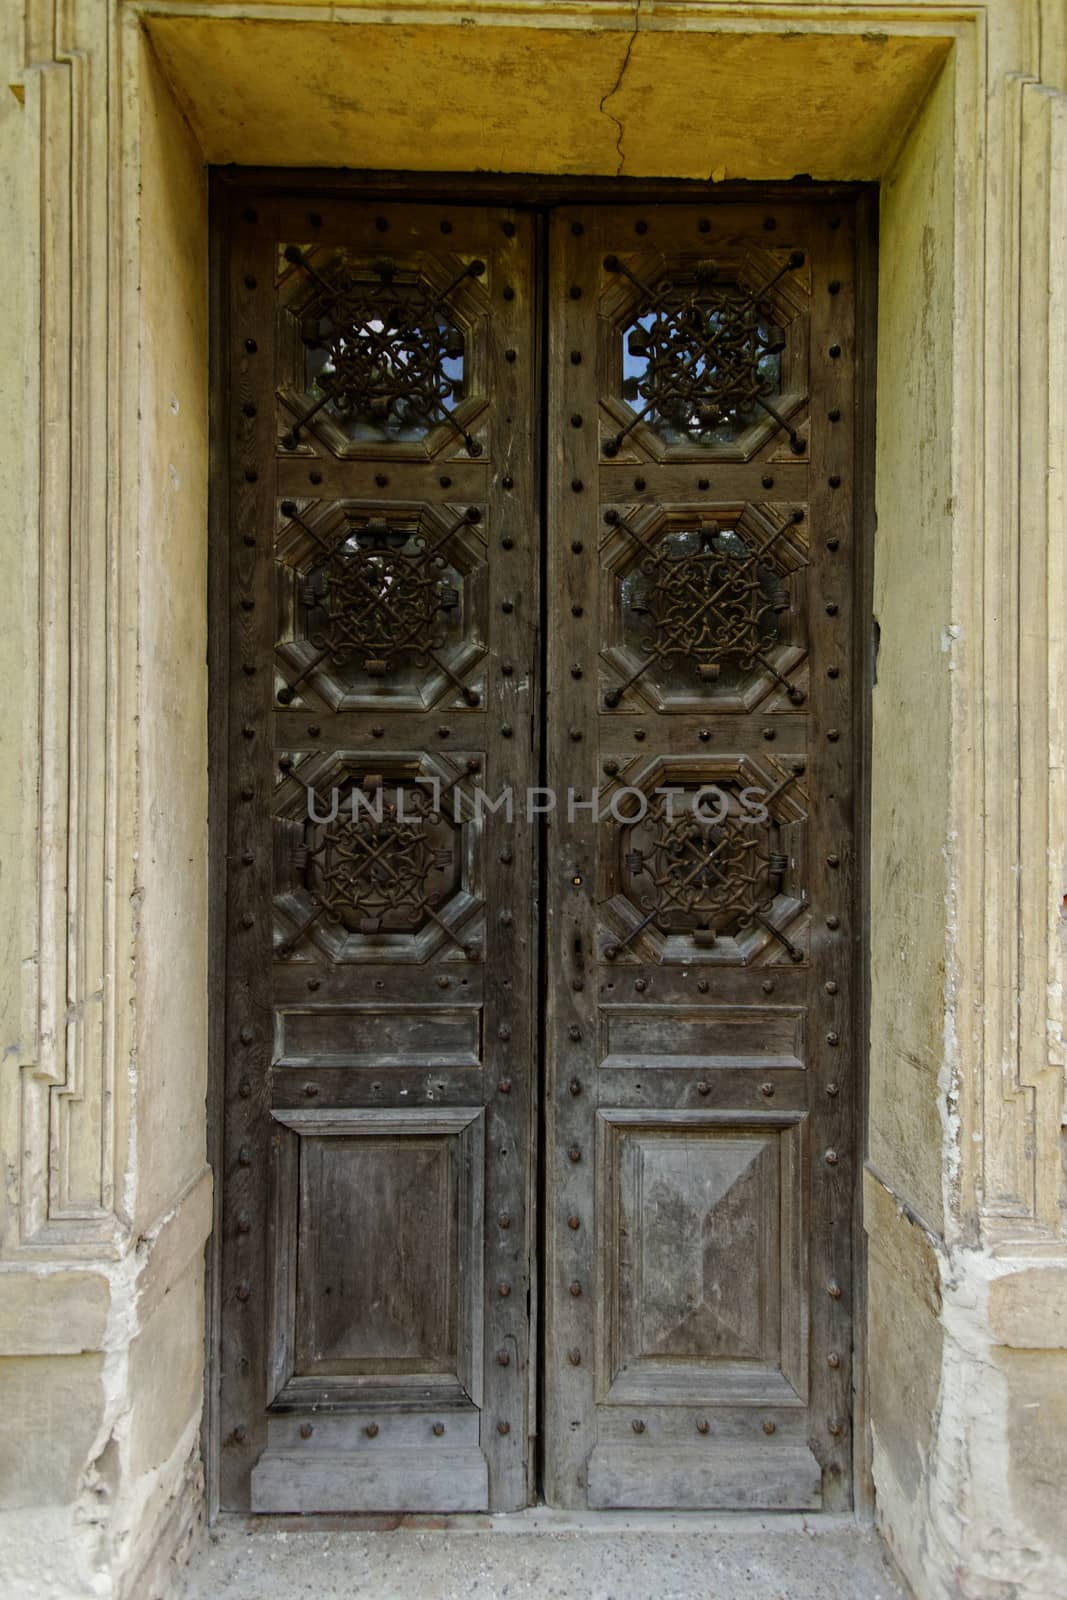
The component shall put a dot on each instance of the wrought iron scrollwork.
(706, 877)
(717, 603)
(380, 595)
(707, 353)
(379, 857)
(389, 353)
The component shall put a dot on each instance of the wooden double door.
(538, 740)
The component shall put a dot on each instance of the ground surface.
(752, 1558)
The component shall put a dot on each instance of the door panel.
(382, 598)
(700, 1069)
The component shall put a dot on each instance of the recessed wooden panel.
(713, 1036)
(379, 1266)
(379, 1036)
(700, 1249)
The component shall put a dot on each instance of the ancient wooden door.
(508, 865)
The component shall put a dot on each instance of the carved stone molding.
(75, 1045)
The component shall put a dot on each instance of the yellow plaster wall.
(911, 707)
(172, 848)
(676, 102)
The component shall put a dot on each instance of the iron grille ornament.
(710, 598)
(708, 864)
(382, 597)
(702, 878)
(384, 868)
(704, 355)
(385, 356)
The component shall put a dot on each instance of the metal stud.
(371, 1430)
(574, 1357)
(770, 1427)
(831, 1158)
(576, 1289)
(306, 1430)
(574, 1223)
(503, 1358)
(637, 1425)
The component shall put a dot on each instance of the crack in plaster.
(617, 86)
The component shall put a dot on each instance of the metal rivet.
(503, 1221)
(504, 1031)
(831, 608)
(769, 733)
(507, 228)
(637, 1425)
(446, 226)
(240, 1434)
(251, 346)
(503, 1428)
(507, 607)
(703, 483)
(244, 1088)
(574, 1223)
(576, 1289)
(834, 480)
(703, 985)
(576, 419)
(313, 730)
(640, 984)
(703, 1426)
(835, 351)
(770, 223)
(247, 792)
(243, 1291)
(311, 1090)
(833, 922)
(504, 1086)
(508, 481)
(503, 1290)
(833, 1289)
(577, 546)
(831, 987)
(833, 1360)
(443, 732)
(832, 1090)
(611, 768)
(381, 479)
(577, 485)
(703, 1087)
(248, 920)
(704, 225)
(640, 227)
(575, 1086)
(767, 985)
(314, 477)
(575, 292)
(509, 355)
(835, 1426)
(574, 1032)
(576, 735)
(574, 1154)
(833, 672)
(574, 1357)
(835, 414)
(833, 1038)
(306, 1430)
(770, 1427)
(766, 1089)
(248, 732)
(509, 293)
(377, 731)
(831, 1158)
(834, 286)
(507, 917)
(833, 734)
(503, 1358)
(506, 855)
(576, 358)
(244, 1223)
(371, 1430)
(246, 1035)
(704, 735)
(250, 409)
(767, 482)
(833, 861)
(382, 224)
